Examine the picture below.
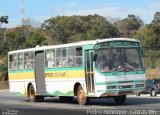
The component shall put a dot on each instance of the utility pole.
(22, 12)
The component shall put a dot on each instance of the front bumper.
(120, 89)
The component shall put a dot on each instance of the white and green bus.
(110, 67)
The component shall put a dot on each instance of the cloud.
(155, 5)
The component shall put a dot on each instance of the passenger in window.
(60, 64)
(103, 64)
(13, 66)
(128, 67)
(106, 66)
(71, 62)
(51, 63)
(20, 65)
(117, 63)
(28, 65)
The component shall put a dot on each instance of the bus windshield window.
(119, 59)
(103, 62)
(132, 60)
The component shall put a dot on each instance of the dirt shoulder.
(4, 85)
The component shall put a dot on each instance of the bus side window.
(64, 58)
(79, 56)
(13, 62)
(58, 58)
(71, 57)
(29, 60)
(75, 56)
(79, 61)
(50, 59)
(20, 61)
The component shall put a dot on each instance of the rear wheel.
(120, 99)
(80, 96)
(32, 95)
(153, 93)
(66, 98)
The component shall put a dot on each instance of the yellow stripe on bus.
(21, 75)
(48, 75)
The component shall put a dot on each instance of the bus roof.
(80, 43)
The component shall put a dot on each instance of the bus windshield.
(119, 59)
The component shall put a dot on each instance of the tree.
(16, 38)
(149, 37)
(31, 23)
(65, 29)
(36, 39)
(129, 26)
(156, 18)
(3, 19)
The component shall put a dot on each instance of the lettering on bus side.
(55, 75)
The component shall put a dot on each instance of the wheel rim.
(81, 95)
(31, 93)
(153, 92)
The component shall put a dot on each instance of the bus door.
(89, 71)
(39, 73)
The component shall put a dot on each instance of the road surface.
(11, 104)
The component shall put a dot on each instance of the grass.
(153, 73)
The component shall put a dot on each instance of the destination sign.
(112, 44)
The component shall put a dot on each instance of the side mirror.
(95, 57)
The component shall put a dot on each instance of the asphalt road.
(11, 104)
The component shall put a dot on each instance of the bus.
(111, 67)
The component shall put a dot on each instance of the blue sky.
(40, 10)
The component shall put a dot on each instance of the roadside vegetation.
(67, 29)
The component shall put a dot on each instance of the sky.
(40, 10)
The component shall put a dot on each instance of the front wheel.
(120, 99)
(80, 96)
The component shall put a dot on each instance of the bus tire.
(120, 99)
(80, 96)
(32, 94)
(65, 98)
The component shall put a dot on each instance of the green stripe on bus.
(115, 90)
(56, 93)
(63, 69)
(116, 82)
(21, 71)
(59, 93)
